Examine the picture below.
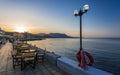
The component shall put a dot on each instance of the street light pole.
(81, 54)
(80, 32)
(25, 37)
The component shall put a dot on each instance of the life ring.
(82, 61)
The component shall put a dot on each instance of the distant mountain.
(58, 35)
(54, 35)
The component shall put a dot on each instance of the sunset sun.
(20, 29)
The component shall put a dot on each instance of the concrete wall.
(71, 67)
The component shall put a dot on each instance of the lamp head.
(76, 13)
(85, 8)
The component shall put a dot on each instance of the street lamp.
(80, 13)
(25, 36)
(81, 54)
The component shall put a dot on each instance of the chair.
(16, 58)
(28, 59)
(40, 56)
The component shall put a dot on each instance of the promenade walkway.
(6, 67)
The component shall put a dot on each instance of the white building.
(1, 32)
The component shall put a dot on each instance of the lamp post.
(80, 13)
(81, 54)
(25, 38)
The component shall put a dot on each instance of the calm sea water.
(106, 52)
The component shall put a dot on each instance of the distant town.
(30, 36)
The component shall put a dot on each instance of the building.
(2, 32)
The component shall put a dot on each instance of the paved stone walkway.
(6, 67)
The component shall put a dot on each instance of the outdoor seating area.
(16, 62)
(24, 55)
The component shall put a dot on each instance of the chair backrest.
(25, 51)
(29, 54)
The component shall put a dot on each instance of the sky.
(56, 16)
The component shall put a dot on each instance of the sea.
(106, 52)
